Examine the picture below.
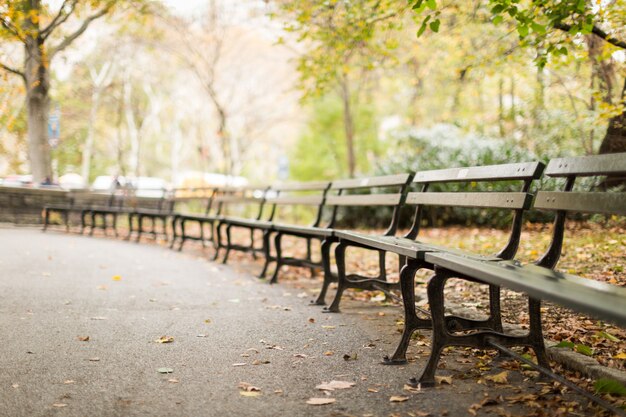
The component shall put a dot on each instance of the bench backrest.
(585, 201)
(248, 197)
(87, 199)
(516, 201)
(342, 194)
(291, 195)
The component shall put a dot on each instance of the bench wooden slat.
(521, 171)
(381, 181)
(603, 203)
(311, 200)
(302, 186)
(609, 164)
(596, 298)
(364, 200)
(237, 199)
(512, 200)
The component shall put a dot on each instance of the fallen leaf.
(333, 385)
(46, 274)
(414, 390)
(311, 320)
(620, 356)
(372, 390)
(173, 380)
(165, 339)
(69, 381)
(116, 278)
(500, 378)
(278, 391)
(329, 353)
(300, 355)
(320, 401)
(201, 335)
(348, 357)
(248, 387)
(440, 380)
(83, 338)
(98, 318)
(15, 385)
(59, 405)
(398, 398)
(329, 327)
(101, 287)
(240, 364)
(249, 394)
(260, 362)
(207, 321)
(165, 370)
(96, 359)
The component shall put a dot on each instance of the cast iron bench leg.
(279, 256)
(411, 321)
(328, 275)
(340, 257)
(266, 251)
(228, 243)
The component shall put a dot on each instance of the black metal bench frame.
(179, 220)
(538, 280)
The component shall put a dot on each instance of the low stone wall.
(24, 205)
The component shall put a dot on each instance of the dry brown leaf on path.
(15, 385)
(173, 380)
(260, 362)
(398, 398)
(83, 338)
(333, 385)
(96, 359)
(411, 389)
(240, 364)
(321, 401)
(329, 353)
(440, 380)
(246, 386)
(500, 378)
(59, 405)
(165, 339)
(69, 381)
(249, 393)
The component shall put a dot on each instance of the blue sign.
(54, 128)
(283, 167)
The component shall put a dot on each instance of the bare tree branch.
(60, 18)
(12, 70)
(72, 37)
(598, 32)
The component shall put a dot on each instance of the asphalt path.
(81, 319)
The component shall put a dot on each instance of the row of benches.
(266, 207)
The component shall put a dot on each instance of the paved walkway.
(227, 328)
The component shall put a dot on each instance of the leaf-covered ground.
(592, 250)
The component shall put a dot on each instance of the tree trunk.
(133, 130)
(87, 150)
(615, 139)
(37, 81)
(348, 123)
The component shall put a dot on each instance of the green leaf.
(422, 28)
(497, 9)
(497, 20)
(608, 336)
(432, 4)
(609, 386)
(565, 344)
(434, 25)
(537, 28)
(585, 350)
(522, 30)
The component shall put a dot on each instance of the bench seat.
(243, 222)
(304, 230)
(592, 297)
(404, 246)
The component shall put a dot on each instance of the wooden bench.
(285, 200)
(239, 207)
(538, 280)
(411, 251)
(207, 217)
(163, 211)
(386, 191)
(81, 202)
